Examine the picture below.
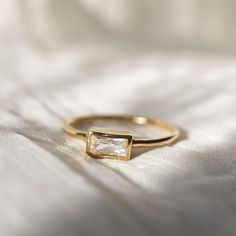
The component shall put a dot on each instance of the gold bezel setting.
(106, 135)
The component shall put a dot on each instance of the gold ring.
(112, 144)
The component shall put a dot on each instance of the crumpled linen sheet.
(49, 187)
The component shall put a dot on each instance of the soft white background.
(168, 59)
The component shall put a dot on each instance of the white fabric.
(49, 187)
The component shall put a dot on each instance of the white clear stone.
(108, 146)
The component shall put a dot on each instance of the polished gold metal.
(71, 125)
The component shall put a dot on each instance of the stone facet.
(108, 146)
(103, 145)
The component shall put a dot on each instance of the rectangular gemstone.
(109, 145)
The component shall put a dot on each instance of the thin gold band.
(69, 127)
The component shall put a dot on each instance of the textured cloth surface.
(49, 187)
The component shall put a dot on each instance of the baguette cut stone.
(108, 146)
